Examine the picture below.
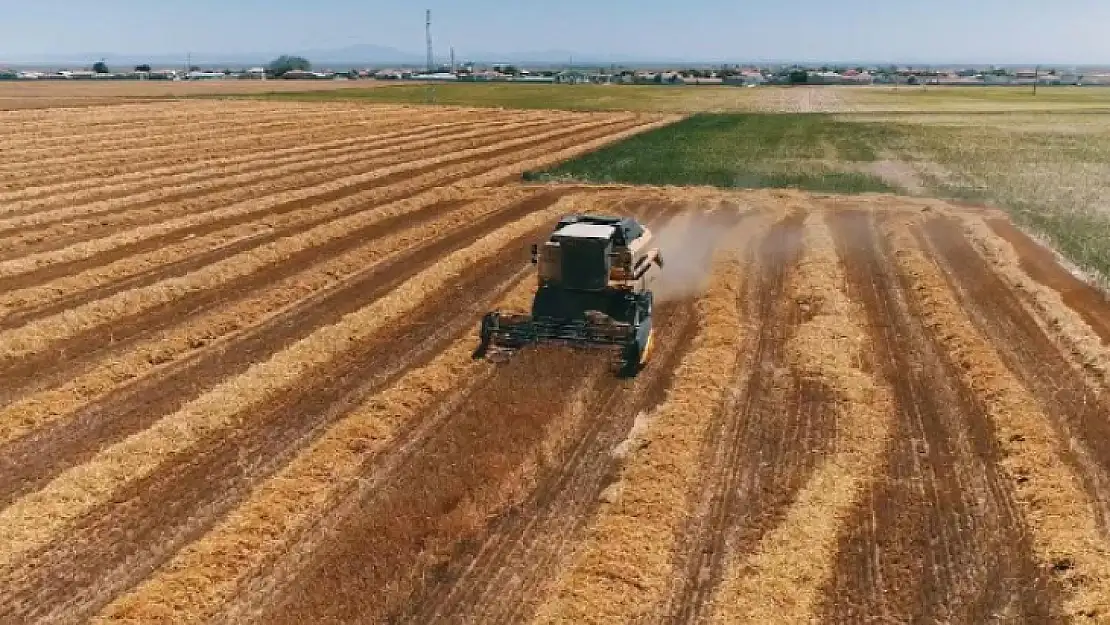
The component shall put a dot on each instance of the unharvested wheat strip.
(620, 573)
(1049, 494)
(321, 165)
(220, 327)
(1065, 325)
(35, 519)
(781, 581)
(303, 146)
(205, 575)
(86, 249)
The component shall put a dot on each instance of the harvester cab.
(593, 290)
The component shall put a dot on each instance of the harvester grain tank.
(593, 290)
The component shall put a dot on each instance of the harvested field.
(24, 95)
(238, 388)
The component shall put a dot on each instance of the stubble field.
(235, 344)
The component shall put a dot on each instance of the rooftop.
(586, 231)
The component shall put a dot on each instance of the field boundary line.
(35, 519)
(1050, 496)
(782, 580)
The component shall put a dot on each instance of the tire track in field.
(1079, 411)
(55, 229)
(57, 207)
(762, 447)
(497, 577)
(454, 476)
(437, 172)
(133, 407)
(939, 537)
(500, 575)
(115, 545)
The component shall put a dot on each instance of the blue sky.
(989, 31)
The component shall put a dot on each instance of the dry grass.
(622, 568)
(1050, 495)
(782, 580)
(35, 519)
(217, 328)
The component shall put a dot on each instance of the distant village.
(737, 75)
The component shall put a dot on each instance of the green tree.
(100, 67)
(286, 63)
(799, 77)
(142, 68)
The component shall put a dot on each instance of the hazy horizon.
(1010, 32)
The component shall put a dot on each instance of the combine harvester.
(595, 275)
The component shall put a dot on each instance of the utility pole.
(1036, 79)
(428, 33)
(452, 59)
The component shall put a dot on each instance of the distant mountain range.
(355, 55)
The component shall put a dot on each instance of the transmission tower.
(428, 32)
